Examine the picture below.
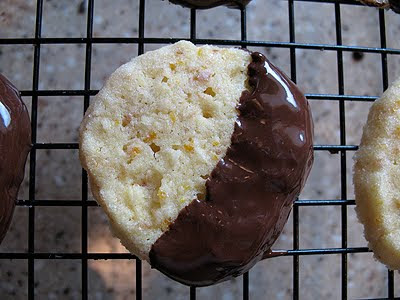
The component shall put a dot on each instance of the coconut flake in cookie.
(197, 154)
(15, 143)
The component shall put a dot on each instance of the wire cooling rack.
(37, 41)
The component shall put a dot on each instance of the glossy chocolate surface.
(211, 3)
(250, 192)
(15, 143)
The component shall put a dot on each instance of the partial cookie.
(197, 154)
(211, 3)
(15, 143)
(377, 178)
(393, 4)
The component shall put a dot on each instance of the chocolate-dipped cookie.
(196, 155)
(15, 143)
(393, 4)
(211, 3)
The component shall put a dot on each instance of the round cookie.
(15, 143)
(377, 178)
(211, 3)
(197, 154)
(393, 4)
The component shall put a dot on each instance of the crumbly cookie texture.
(377, 178)
(155, 132)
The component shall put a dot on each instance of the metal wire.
(296, 258)
(141, 40)
(32, 166)
(86, 100)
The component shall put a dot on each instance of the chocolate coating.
(211, 3)
(250, 192)
(15, 143)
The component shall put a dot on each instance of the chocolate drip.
(274, 253)
(250, 192)
(211, 3)
(15, 143)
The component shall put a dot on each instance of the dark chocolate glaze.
(15, 143)
(211, 3)
(250, 192)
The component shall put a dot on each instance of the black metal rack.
(141, 40)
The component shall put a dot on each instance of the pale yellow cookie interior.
(377, 178)
(155, 132)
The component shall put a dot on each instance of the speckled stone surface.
(58, 173)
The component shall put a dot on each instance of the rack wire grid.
(37, 41)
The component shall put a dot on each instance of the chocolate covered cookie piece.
(393, 4)
(211, 3)
(15, 143)
(196, 155)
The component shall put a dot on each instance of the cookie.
(211, 3)
(196, 155)
(15, 143)
(377, 178)
(393, 4)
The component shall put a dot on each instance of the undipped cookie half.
(197, 154)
